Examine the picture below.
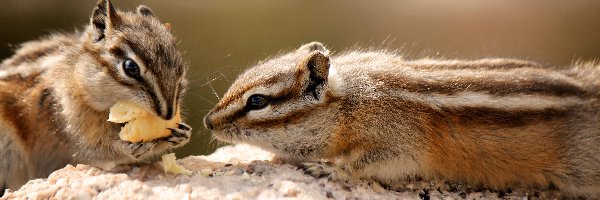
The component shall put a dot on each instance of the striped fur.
(55, 94)
(497, 123)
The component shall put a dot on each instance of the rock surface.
(232, 172)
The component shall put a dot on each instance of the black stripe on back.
(32, 55)
(498, 117)
(487, 86)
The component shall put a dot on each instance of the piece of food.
(206, 172)
(170, 165)
(141, 125)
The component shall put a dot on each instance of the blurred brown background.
(223, 37)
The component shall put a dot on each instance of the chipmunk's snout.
(165, 105)
(207, 122)
(170, 113)
(165, 112)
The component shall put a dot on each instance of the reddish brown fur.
(458, 149)
(25, 105)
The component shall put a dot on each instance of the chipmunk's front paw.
(179, 136)
(322, 169)
(137, 149)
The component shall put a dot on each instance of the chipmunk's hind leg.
(341, 174)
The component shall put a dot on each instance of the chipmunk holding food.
(498, 123)
(56, 93)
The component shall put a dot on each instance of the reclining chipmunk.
(498, 123)
(56, 92)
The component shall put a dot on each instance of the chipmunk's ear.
(103, 19)
(314, 47)
(317, 66)
(145, 11)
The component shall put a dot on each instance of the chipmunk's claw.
(326, 170)
(137, 149)
(179, 135)
(184, 127)
(318, 169)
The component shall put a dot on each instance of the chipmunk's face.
(136, 60)
(279, 105)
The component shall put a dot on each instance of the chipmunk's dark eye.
(131, 68)
(256, 102)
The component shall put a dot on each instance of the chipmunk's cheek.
(226, 133)
(236, 130)
(219, 130)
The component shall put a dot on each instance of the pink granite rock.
(232, 172)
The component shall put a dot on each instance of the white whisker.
(213, 89)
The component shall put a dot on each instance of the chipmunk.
(55, 94)
(498, 123)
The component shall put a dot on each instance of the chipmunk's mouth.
(229, 133)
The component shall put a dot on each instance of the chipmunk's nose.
(207, 122)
